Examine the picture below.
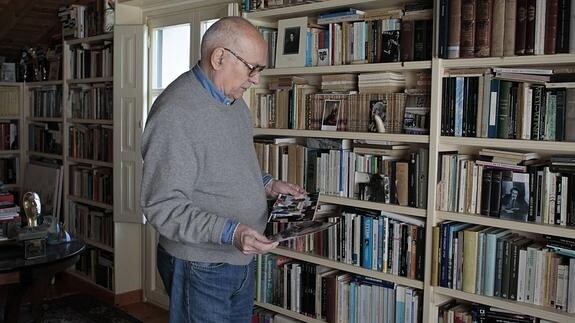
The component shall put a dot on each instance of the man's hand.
(277, 187)
(249, 241)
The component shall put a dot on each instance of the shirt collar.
(209, 86)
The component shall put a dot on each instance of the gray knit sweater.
(200, 168)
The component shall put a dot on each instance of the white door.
(174, 49)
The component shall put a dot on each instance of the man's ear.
(217, 58)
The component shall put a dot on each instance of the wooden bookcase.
(79, 116)
(433, 296)
(88, 81)
(12, 123)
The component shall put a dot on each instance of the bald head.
(231, 32)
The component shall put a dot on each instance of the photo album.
(300, 216)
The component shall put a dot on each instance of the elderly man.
(202, 188)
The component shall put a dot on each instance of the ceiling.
(29, 23)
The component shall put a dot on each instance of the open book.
(303, 215)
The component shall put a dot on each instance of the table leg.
(13, 303)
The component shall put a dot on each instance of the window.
(171, 46)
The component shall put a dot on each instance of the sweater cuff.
(228, 232)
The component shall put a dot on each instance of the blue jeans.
(207, 292)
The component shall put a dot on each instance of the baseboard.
(73, 283)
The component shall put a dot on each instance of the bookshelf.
(70, 126)
(88, 163)
(313, 73)
(11, 125)
(433, 296)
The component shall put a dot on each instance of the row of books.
(328, 294)
(498, 262)
(398, 179)
(455, 311)
(256, 5)
(8, 135)
(301, 108)
(94, 18)
(91, 224)
(513, 192)
(94, 142)
(92, 183)
(505, 28)
(351, 36)
(92, 101)
(9, 214)
(45, 138)
(380, 241)
(502, 107)
(46, 102)
(262, 315)
(9, 101)
(89, 61)
(98, 266)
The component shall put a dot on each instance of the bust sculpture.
(32, 208)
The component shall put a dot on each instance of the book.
(298, 229)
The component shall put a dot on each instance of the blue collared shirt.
(231, 225)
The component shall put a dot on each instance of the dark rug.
(78, 308)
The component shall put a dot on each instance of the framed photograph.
(46, 180)
(330, 114)
(377, 112)
(54, 70)
(291, 44)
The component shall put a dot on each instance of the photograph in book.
(377, 112)
(298, 229)
(514, 197)
(330, 114)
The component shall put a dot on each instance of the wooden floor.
(147, 313)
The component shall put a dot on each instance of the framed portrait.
(291, 43)
(330, 115)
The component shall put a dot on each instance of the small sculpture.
(32, 208)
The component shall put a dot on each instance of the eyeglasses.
(254, 69)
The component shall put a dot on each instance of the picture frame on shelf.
(330, 115)
(54, 70)
(291, 45)
(46, 179)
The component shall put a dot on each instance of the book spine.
(486, 191)
(563, 26)
(443, 28)
(483, 28)
(454, 28)
(530, 28)
(509, 29)
(498, 28)
(520, 27)
(551, 14)
(407, 46)
(467, 41)
(495, 195)
(503, 111)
